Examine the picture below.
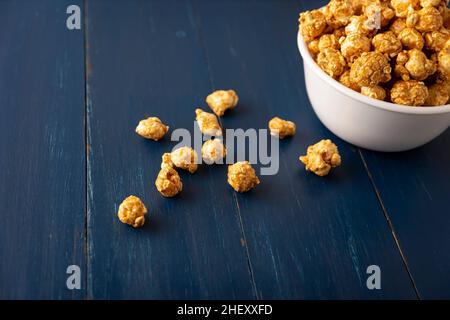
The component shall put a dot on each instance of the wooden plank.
(308, 237)
(414, 187)
(145, 58)
(42, 180)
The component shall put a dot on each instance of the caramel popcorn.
(437, 95)
(132, 211)
(208, 123)
(353, 46)
(151, 128)
(185, 158)
(242, 176)
(411, 38)
(387, 43)
(166, 160)
(168, 181)
(332, 62)
(375, 92)
(321, 157)
(380, 47)
(281, 128)
(411, 92)
(312, 24)
(213, 151)
(370, 69)
(219, 101)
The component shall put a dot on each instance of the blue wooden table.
(69, 103)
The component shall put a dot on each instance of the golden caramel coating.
(354, 45)
(345, 80)
(397, 26)
(359, 25)
(312, 24)
(411, 38)
(410, 93)
(338, 13)
(168, 182)
(213, 151)
(152, 128)
(400, 69)
(281, 128)
(375, 92)
(370, 69)
(208, 123)
(132, 211)
(387, 43)
(402, 7)
(418, 66)
(444, 60)
(321, 157)
(221, 100)
(185, 158)
(313, 47)
(425, 20)
(166, 160)
(378, 12)
(328, 41)
(332, 62)
(242, 176)
(437, 95)
(430, 3)
(436, 40)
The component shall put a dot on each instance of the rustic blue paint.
(42, 180)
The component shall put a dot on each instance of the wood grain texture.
(42, 180)
(414, 188)
(145, 59)
(308, 237)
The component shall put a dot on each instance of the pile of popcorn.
(392, 50)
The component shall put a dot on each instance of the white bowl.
(366, 122)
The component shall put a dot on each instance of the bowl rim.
(389, 106)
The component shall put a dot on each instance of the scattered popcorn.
(375, 92)
(132, 211)
(410, 92)
(152, 128)
(166, 160)
(242, 176)
(185, 158)
(321, 157)
(208, 123)
(281, 128)
(221, 100)
(168, 182)
(213, 151)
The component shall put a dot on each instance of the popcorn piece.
(437, 95)
(213, 151)
(375, 92)
(312, 24)
(345, 80)
(321, 157)
(418, 66)
(430, 3)
(411, 92)
(166, 160)
(185, 158)
(152, 128)
(378, 12)
(354, 45)
(208, 123)
(168, 182)
(444, 60)
(359, 25)
(219, 101)
(338, 13)
(411, 38)
(242, 176)
(425, 20)
(387, 43)
(281, 128)
(313, 47)
(328, 41)
(397, 26)
(332, 62)
(370, 69)
(402, 7)
(436, 40)
(400, 69)
(132, 211)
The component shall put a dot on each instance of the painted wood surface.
(42, 159)
(295, 236)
